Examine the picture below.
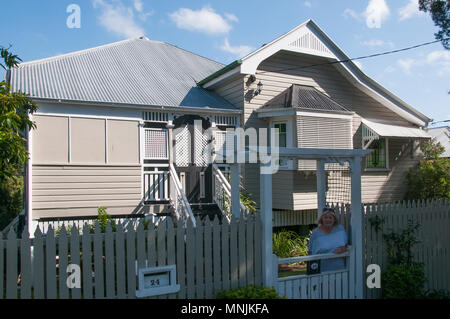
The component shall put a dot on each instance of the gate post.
(268, 270)
(356, 227)
(321, 187)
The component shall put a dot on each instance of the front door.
(192, 158)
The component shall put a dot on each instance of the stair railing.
(179, 201)
(222, 194)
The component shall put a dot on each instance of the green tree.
(430, 179)
(440, 13)
(14, 123)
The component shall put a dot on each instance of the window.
(378, 158)
(282, 137)
(326, 131)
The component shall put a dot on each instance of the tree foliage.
(440, 13)
(430, 179)
(14, 121)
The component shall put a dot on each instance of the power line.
(358, 58)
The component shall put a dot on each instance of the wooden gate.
(339, 284)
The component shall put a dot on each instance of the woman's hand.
(340, 250)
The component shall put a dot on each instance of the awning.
(374, 130)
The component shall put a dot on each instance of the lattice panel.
(338, 183)
(182, 148)
(221, 141)
(156, 144)
(202, 148)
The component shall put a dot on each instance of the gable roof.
(308, 38)
(134, 72)
(305, 97)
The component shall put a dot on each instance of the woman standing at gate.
(329, 237)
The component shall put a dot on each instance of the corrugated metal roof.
(387, 130)
(136, 71)
(305, 97)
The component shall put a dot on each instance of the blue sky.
(227, 30)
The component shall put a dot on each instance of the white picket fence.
(127, 221)
(327, 285)
(433, 251)
(208, 258)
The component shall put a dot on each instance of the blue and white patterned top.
(320, 243)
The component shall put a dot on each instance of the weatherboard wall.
(291, 189)
(82, 162)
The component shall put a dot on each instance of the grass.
(292, 273)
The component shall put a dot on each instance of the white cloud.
(118, 19)
(406, 65)
(377, 43)
(439, 56)
(138, 5)
(440, 59)
(352, 14)
(410, 10)
(376, 12)
(231, 17)
(307, 4)
(239, 51)
(389, 69)
(205, 20)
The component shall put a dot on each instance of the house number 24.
(154, 282)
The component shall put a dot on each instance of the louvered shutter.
(322, 132)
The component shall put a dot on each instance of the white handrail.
(313, 257)
(226, 186)
(180, 192)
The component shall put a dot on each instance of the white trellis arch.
(322, 156)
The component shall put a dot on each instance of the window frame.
(166, 133)
(387, 166)
(289, 164)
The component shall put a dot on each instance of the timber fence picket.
(213, 256)
(433, 249)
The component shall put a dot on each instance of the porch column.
(170, 128)
(356, 226)
(268, 270)
(235, 182)
(321, 186)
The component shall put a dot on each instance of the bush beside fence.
(433, 251)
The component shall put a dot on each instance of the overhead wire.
(354, 59)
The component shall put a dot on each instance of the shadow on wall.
(390, 186)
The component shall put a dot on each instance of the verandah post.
(356, 225)
(321, 187)
(235, 200)
(266, 219)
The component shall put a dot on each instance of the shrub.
(103, 219)
(430, 179)
(10, 200)
(288, 244)
(249, 292)
(403, 281)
